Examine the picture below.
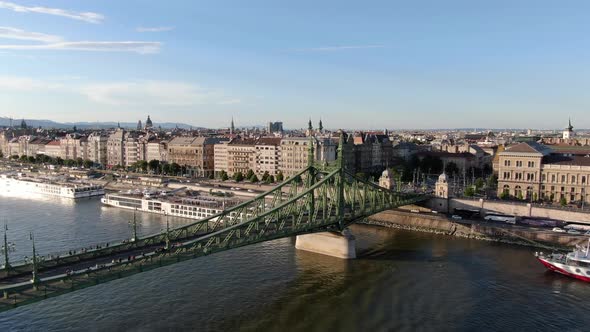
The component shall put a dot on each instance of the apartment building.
(197, 153)
(531, 171)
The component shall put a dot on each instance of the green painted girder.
(331, 203)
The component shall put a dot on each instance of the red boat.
(575, 264)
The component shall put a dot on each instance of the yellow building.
(532, 171)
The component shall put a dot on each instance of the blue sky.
(362, 64)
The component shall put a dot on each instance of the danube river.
(401, 281)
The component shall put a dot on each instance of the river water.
(401, 281)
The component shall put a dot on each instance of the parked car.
(573, 231)
(558, 230)
(415, 211)
(587, 233)
(456, 217)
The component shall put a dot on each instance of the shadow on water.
(401, 281)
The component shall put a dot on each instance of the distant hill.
(4, 121)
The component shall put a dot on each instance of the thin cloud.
(154, 29)
(88, 17)
(338, 48)
(16, 83)
(18, 34)
(100, 46)
(162, 93)
(140, 93)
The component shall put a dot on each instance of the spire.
(309, 126)
(570, 127)
(148, 123)
(321, 126)
(139, 126)
(232, 127)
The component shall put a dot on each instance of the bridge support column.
(340, 245)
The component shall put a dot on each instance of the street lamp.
(167, 237)
(35, 279)
(134, 225)
(7, 248)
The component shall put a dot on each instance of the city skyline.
(452, 65)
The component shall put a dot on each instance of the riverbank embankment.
(479, 230)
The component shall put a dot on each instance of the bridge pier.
(340, 245)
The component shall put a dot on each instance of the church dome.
(148, 122)
(442, 177)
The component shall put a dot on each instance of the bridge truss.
(319, 198)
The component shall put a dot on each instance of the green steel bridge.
(320, 198)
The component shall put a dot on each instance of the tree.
(175, 168)
(265, 176)
(88, 163)
(1, 154)
(519, 196)
(239, 177)
(223, 176)
(154, 165)
(479, 183)
(452, 168)
(31, 159)
(562, 201)
(504, 195)
(59, 161)
(79, 162)
(166, 169)
(297, 179)
(280, 176)
(24, 158)
(254, 179)
(142, 165)
(492, 181)
(15, 157)
(249, 174)
(469, 191)
(271, 179)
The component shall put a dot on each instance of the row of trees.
(43, 159)
(252, 177)
(156, 167)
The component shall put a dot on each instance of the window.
(573, 179)
(563, 179)
(506, 162)
(531, 164)
(583, 180)
(544, 176)
(519, 163)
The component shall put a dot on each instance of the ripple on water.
(401, 281)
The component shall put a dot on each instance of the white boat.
(575, 264)
(198, 207)
(20, 185)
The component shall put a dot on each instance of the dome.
(442, 177)
(148, 122)
(386, 173)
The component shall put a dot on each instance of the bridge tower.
(340, 244)
(441, 192)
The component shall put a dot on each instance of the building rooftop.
(529, 147)
(570, 161)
